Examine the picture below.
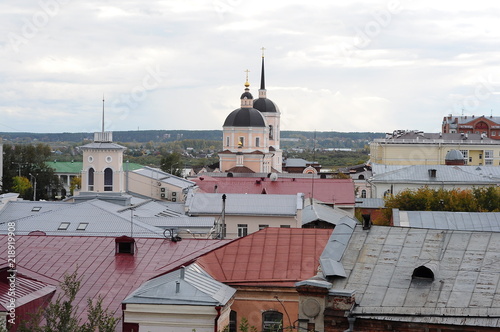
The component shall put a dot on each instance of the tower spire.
(262, 80)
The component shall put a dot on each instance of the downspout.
(218, 308)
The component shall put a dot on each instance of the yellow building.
(419, 148)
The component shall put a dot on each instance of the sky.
(346, 66)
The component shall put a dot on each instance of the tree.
(60, 315)
(171, 162)
(21, 185)
(76, 183)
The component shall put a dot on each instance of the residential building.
(238, 215)
(419, 148)
(404, 279)
(488, 126)
(392, 179)
(109, 267)
(298, 165)
(333, 192)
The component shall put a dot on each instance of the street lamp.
(172, 166)
(34, 191)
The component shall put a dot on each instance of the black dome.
(265, 105)
(245, 117)
(246, 95)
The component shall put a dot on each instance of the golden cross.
(247, 71)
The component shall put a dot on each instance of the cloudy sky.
(330, 65)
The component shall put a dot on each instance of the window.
(63, 226)
(82, 226)
(233, 321)
(36, 208)
(241, 141)
(480, 156)
(227, 141)
(257, 141)
(493, 133)
(285, 226)
(272, 321)
(363, 193)
(270, 132)
(242, 230)
(108, 179)
(91, 179)
(263, 226)
(465, 153)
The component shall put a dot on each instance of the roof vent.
(367, 223)
(425, 272)
(124, 245)
(432, 173)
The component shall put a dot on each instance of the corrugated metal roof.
(370, 203)
(379, 264)
(103, 145)
(75, 167)
(331, 191)
(242, 204)
(272, 256)
(103, 273)
(195, 288)
(322, 212)
(444, 173)
(465, 221)
(19, 209)
(159, 175)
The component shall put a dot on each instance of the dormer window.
(124, 245)
(423, 272)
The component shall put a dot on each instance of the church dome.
(265, 105)
(454, 157)
(246, 95)
(245, 117)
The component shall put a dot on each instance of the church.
(251, 134)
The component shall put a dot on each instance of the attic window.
(423, 272)
(36, 208)
(82, 226)
(125, 245)
(63, 226)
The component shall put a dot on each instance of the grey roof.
(461, 119)
(295, 162)
(19, 209)
(100, 222)
(324, 213)
(379, 264)
(330, 259)
(103, 146)
(466, 221)
(454, 155)
(159, 175)
(414, 137)
(444, 173)
(195, 288)
(244, 204)
(178, 222)
(370, 203)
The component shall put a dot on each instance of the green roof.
(76, 166)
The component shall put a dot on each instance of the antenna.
(103, 113)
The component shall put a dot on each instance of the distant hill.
(177, 135)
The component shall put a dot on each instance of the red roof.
(330, 191)
(270, 257)
(104, 273)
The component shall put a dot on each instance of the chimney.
(177, 286)
(432, 173)
(124, 245)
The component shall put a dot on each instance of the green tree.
(76, 183)
(171, 163)
(60, 315)
(21, 185)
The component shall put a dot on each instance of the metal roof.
(75, 167)
(243, 204)
(370, 203)
(189, 285)
(103, 146)
(103, 273)
(270, 257)
(444, 173)
(322, 212)
(379, 264)
(331, 191)
(465, 221)
(19, 209)
(159, 175)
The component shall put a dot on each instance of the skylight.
(36, 208)
(63, 226)
(82, 226)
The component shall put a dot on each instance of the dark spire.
(262, 80)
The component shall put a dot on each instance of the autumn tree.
(21, 185)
